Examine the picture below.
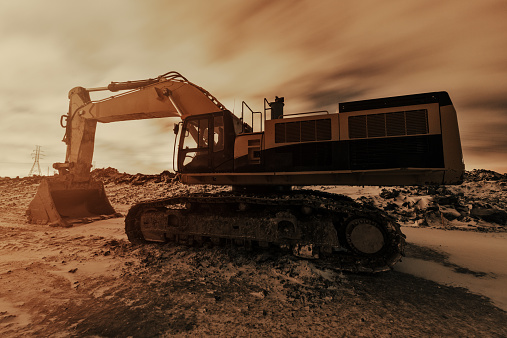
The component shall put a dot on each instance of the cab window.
(196, 134)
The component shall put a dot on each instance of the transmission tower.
(36, 154)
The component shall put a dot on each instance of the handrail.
(266, 108)
(243, 104)
(309, 112)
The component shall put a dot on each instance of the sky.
(314, 53)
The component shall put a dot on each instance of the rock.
(259, 294)
(449, 213)
(493, 215)
(389, 194)
(447, 200)
(391, 206)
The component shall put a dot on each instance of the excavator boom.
(72, 195)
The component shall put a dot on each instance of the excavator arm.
(165, 97)
(72, 194)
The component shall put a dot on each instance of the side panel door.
(223, 143)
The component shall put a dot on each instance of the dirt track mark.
(428, 254)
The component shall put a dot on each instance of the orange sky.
(315, 53)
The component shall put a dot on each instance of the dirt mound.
(112, 175)
(484, 175)
(15, 195)
(227, 291)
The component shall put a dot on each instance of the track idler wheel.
(365, 237)
(133, 226)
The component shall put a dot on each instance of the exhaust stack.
(277, 108)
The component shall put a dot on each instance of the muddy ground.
(88, 280)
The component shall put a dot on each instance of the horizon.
(172, 172)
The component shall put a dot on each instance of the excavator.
(263, 155)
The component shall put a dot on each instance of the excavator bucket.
(62, 203)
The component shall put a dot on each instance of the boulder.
(492, 215)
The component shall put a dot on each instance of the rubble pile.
(484, 175)
(15, 195)
(477, 204)
(112, 175)
(125, 190)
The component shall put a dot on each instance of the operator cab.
(207, 143)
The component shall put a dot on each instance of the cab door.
(207, 143)
(194, 150)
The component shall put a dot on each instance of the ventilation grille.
(413, 122)
(303, 131)
(421, 151)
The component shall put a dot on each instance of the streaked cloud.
(315, 53)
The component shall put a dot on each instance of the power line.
(36, 154)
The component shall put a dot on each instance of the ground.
(88, 280)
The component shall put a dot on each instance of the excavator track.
(313, 224)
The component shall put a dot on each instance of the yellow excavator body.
(402, 140)
(407, 140)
